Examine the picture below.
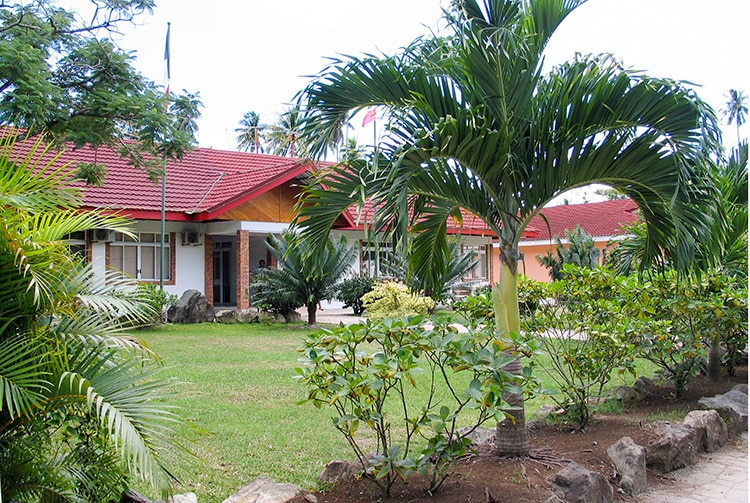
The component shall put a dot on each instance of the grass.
(237, 395)
(240, 405)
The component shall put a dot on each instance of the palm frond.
(23, 377)
(122, 390)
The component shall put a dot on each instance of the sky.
(243, 55)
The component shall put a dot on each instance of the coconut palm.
(475, 124)
(283, 137)
(736, 110)
(80, 411)
(249, 133)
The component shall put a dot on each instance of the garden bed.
(553, 446)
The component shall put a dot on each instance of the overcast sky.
(256, 55)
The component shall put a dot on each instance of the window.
(140, 257)
(77, 243)
(479, 272)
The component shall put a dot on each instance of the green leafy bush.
(392, 300)
(586, 330)
(696, 316)
(157, 300)
(478, 308)
(369, 374)
(265, 295)
(351, 290)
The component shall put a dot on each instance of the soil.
(483, 477)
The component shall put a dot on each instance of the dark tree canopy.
(62, 73)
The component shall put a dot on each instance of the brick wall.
(243, 269)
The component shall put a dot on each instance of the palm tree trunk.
(312, 313)
(714, 358)
(511, 437)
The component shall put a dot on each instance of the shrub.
(587, 333)
(695, 316)
(368, 373)
(351, 290)
(265, 295)
(478, 308)
(157, 300)
(392, 300)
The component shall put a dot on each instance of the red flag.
(369, 117)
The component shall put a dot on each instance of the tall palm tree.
(474, 123)
(81, 409)
(283, 137)
(249, 134)
(736, 110)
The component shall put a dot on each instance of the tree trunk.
(714, 359)
(312, 314)
(511, 437)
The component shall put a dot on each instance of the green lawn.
(236, 392)
(235, 389)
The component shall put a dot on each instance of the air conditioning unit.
(192, 238)
(101, 235)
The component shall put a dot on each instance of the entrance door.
(223, 273)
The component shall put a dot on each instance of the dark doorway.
(223, 277)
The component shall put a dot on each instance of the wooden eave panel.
(276, 205)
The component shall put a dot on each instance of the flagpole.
(164, 170)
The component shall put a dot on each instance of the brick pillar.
(208, 261)
(243, 269)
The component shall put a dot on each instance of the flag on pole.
(369, 116)
(167, 72)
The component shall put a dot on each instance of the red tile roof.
(201, 186)
(601, 219)
(208, 182)
(470, 223)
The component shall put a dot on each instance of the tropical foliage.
(583, 323)
(435, 278)
(62, 73)
(390, 299)
(351, 290)
(593, 322)
(580, 252)
(81, 409)
(475, 124)
(250, 133)
(302, 278)
(736, 110)
(370, 375)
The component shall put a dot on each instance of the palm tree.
(249, 133)
(435, 278)
(80, 411)
(303, 278)
(475, 124)
(283, 137)
(736, 110)
(580, 251)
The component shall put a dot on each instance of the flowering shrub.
(392, 300)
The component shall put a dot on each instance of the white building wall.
(190, 270)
